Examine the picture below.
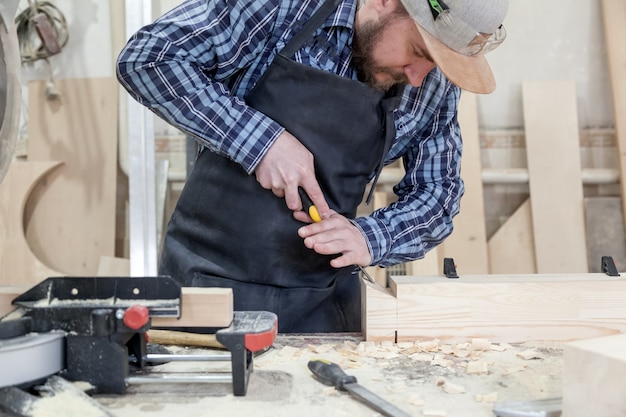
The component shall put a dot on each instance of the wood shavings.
(481, 344)
(477, 368)
(289, 352)
(320, 348)
(498, 348)
(405, 345)
(428, 346)
(440, 360)
(465, 346)
(421, 356)
(492, 397)
(459, 352)
(366, 346)
(449, 387)
(529, 354)
(410, 350)
(387, 345)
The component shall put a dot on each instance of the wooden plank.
(555, 179)
(202, 307)
(511, 248)
(503, 308)
(111, 266)
(468, 242)
(605, 231)
(379, 200)
(7, 295)
(614, 12)
(18, 264)
(71, 217)
(378, 312)
(593, 377)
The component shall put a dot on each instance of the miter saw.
(93, 329)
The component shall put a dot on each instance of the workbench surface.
(424, 378)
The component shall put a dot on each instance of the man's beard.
(366, 36)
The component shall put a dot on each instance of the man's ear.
(375, 9)
(384, 7)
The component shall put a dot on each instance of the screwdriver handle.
(308, 206)
(331, 374)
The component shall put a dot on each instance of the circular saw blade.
(31, 357)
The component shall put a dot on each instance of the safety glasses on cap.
(459, 35)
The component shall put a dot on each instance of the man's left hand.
(335, 235)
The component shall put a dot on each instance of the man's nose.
(417, 72)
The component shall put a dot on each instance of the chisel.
(329, 373)
(310, 209)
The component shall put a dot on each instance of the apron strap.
(388, 105)
(309, 27)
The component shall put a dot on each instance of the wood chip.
(439, 360)
(410, 350)
(529, 354)
(461, 353)
(492, 397)
(405, 345)
(320, 348)
(449, 387)
(428, 346)
(481, 344)
(421, 356)
(387, 345)
(498, 348)
(477, 367)
(289, 352)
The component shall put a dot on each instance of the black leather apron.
(228, 231)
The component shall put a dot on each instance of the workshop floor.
(425, 378)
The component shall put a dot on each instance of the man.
(318, 96)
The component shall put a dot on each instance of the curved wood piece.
(18, 264)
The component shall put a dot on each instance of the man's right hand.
(287, 165)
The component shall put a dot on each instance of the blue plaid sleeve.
(179, 65)
(429, 141)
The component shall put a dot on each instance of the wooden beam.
(614, 12)
(502, 308)
(201, 307)
(555, 179)
(593, 377)
(467, 244)
(511, 248)
(379, 310)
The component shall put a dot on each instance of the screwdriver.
(311, 210)
(329, 373)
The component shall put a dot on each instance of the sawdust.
(422, 378)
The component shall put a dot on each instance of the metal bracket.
(449, 268)
(608, 266)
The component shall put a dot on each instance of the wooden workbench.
(420, 377)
